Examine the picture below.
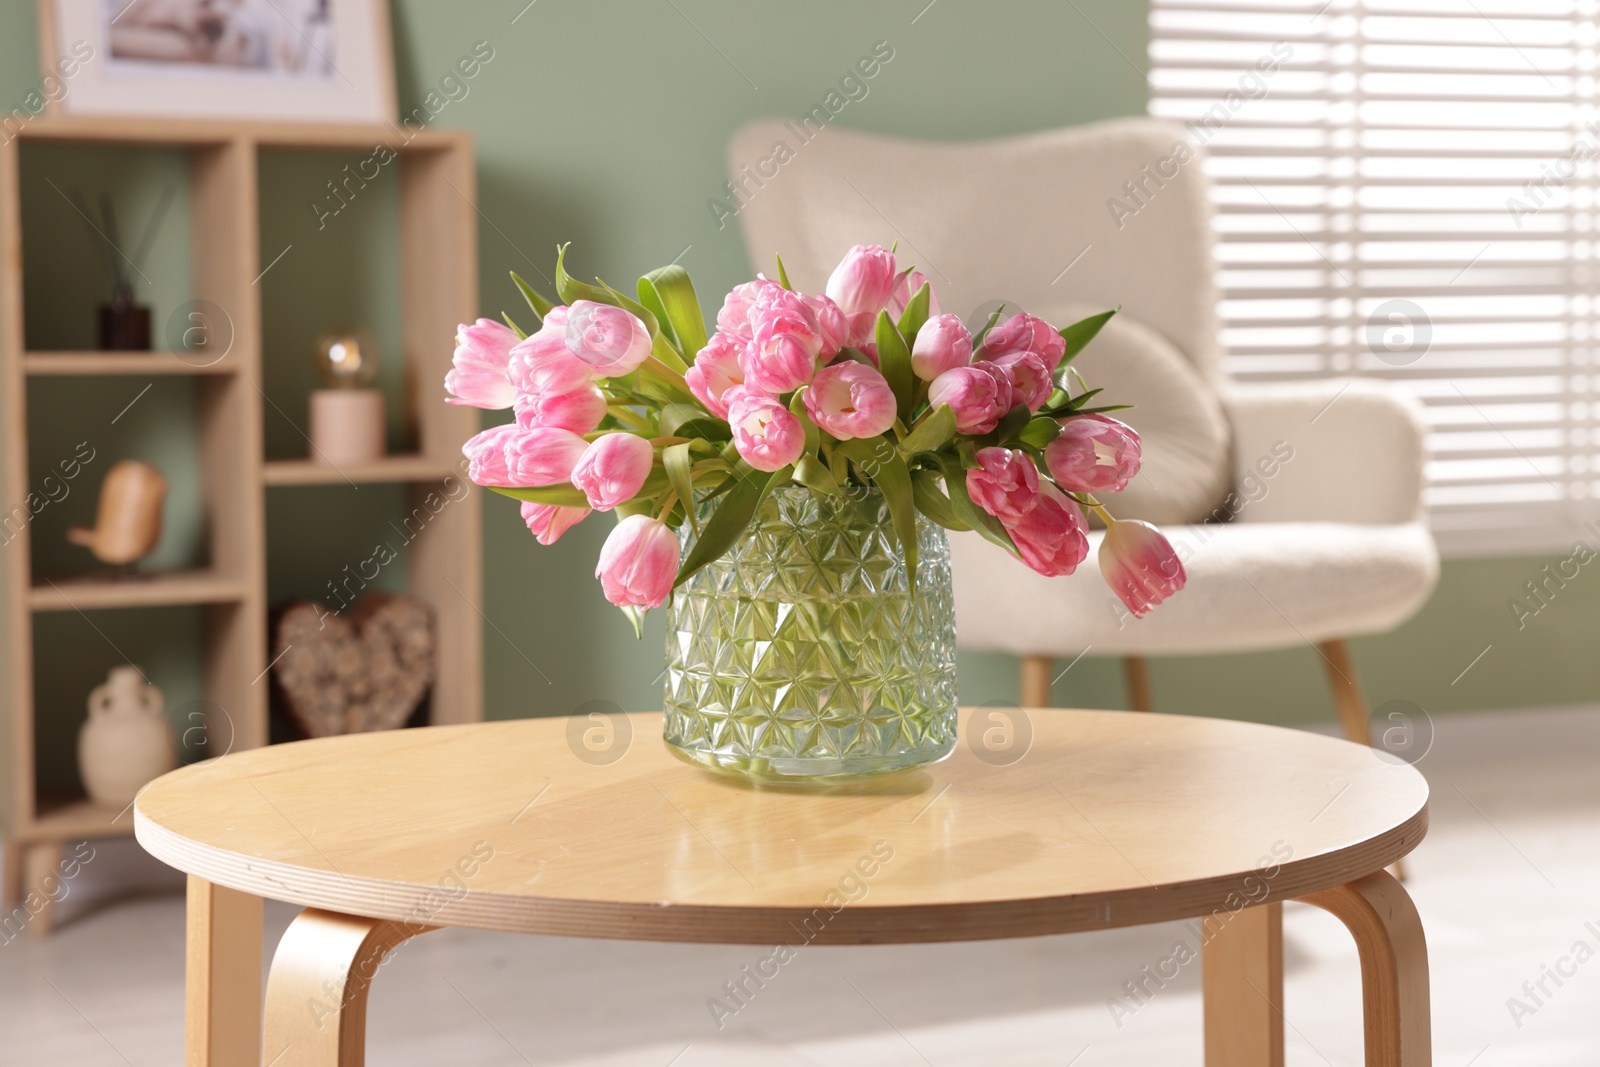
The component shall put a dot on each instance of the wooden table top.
(1109, 819)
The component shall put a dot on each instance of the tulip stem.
(671, 502)
(1105, 516)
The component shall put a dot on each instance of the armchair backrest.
(1086, 217)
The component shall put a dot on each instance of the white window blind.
(1406, 189)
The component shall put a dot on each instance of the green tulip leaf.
(738, 507)
(927, 490)
(679, 465)
(561, 496)
(1039, 433)
(916, 313)
(1083, 331)
(814, 474)
(894, 361)
(932, 433)
(675, 303)
(570, 289)
(540, 303)
(783, 275)
(514, 327)
(977, 338)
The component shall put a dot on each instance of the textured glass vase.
(802, 656)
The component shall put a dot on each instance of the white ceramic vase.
(127, 740)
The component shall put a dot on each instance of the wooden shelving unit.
(438, 228)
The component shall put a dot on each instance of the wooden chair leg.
(1138, 675)
(222, 977)
(41, 874)
(1241, 966)
(1394, 967)
(1036, 681)
(10, 874)
(1349, 700)
(316, 1013)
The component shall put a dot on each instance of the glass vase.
(802, 654)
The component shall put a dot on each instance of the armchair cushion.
(1178, 414)
(1251, 586)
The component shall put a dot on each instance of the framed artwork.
(290, 60)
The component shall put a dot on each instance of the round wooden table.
(1042, 822)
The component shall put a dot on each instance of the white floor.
(1506, 881)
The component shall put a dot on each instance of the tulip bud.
(638, 562)
(611, 340)
(942, 344)
(1139, 565)
(478, 375)
(1094, 454)
(613, 469)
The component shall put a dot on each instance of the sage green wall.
(603, 123)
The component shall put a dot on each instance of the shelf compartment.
(73, 816)
(93, 592)
(42, 364)
(388, 469)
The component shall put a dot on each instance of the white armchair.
(1324, 537)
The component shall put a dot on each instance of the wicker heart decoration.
(367, 670)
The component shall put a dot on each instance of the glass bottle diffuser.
(346, 416)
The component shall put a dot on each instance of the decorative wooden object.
(128, 522)
(1108, 821)
(438, 240)
(343, 675)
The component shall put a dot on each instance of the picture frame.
(262, 60)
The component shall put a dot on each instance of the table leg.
(1242, 978)
(1394, 967)
(222, 977)
(317, 988)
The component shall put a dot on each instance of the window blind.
(1406, 190)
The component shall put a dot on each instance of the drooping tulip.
(638, 562)
(611, 340)
(1140, 565)
(1005, 483)
(943, 343)
(612, 469)
(547, 522)
(765, 433)
(478, 375)
(1052, 536)
(1094, 454)
(850, 400)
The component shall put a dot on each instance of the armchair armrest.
(1337, 450)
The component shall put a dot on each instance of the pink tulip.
(613, 469)
(638, 562)
(907, 286)
(715, 371)
(734, 318)
(785, 345)
(544, 364)
(978, 395)
(1094, 454)
(611, 340)
(1139, 565)
(942, 344)
(542, 456)
(1025, 333)
(478, 377)
(850, 399)
(831, 324)
(579, 411)
(547, 522)
(1052, 537)
(861, 285)
(765, 433)
(1030, 379)
(1005, 484)
(486, 455)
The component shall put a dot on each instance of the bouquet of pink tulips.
(624, 404)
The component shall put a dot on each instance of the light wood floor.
(1506, 882)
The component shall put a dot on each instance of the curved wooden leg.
(1241, 968)
(316, 1014)
(1137, 671)
(1349, 701)
(1036, 681)
(1394, 967)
